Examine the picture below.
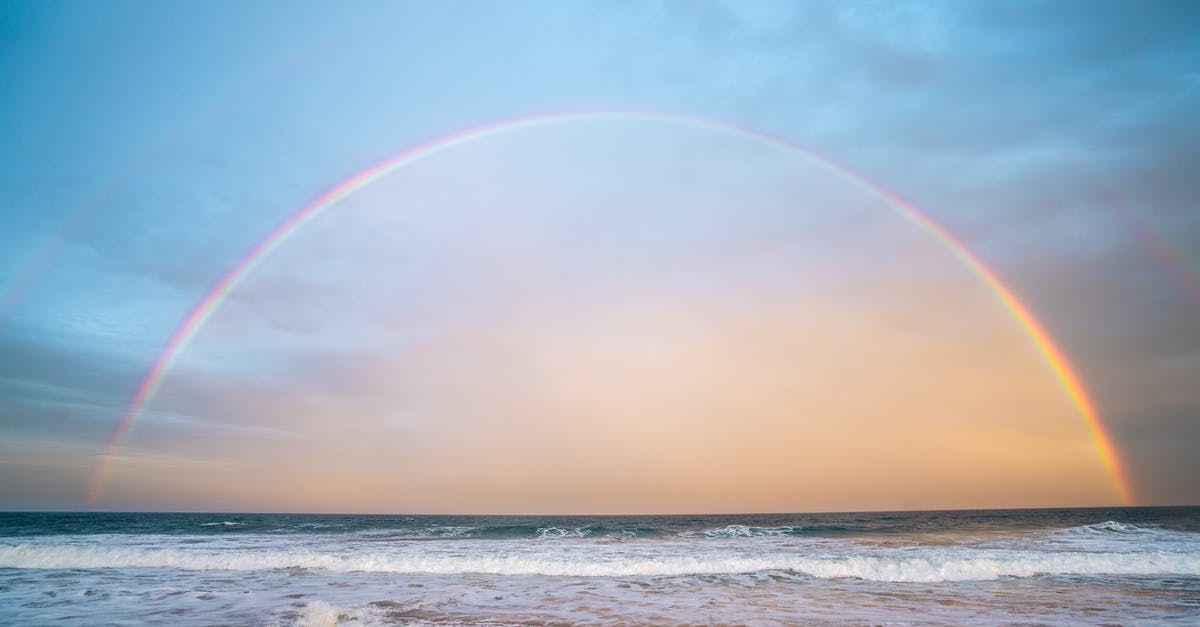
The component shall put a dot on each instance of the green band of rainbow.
(187, 329)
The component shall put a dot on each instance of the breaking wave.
(1112, 526)
(899, 566)
(744, 531)
(503, 532)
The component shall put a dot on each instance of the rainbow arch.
(1053, 356)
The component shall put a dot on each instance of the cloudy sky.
(646, 312)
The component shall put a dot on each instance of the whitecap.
(892, 566)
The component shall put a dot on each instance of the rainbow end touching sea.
(1053, 356)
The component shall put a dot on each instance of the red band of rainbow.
(187, 329)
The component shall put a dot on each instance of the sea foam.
(744, 531)
(896, 566)
(1112, 526)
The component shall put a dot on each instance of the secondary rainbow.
(187, 329)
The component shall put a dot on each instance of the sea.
(1043, 566)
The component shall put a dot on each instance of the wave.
(1112, 526)
(224, 523)
(319, 613)
(559, 532)
(501, 532)
(744, 531)
(444, 531)
(900, 566)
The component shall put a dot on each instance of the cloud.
(1045, 136)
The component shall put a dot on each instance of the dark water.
(1053, 566)
(834, 524)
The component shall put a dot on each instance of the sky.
(637, 257)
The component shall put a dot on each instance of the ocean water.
(1116, 565)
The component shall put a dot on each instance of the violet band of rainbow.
(1050, 353)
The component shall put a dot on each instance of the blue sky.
(147, 145)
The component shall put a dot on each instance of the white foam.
(743, 531)
(558, 532)
(897, 565)
(225, 523)
(321, 614)
(1112, 526)
(452, 532)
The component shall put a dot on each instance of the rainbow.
(1168, 257)
(200, 313)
